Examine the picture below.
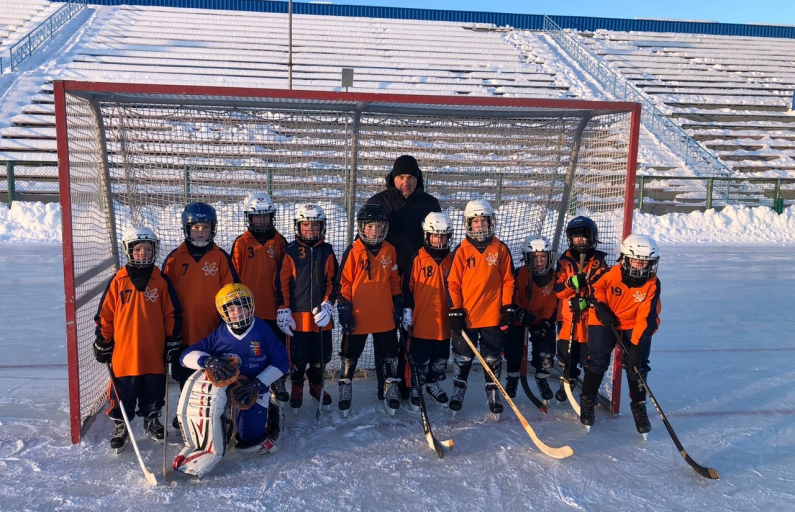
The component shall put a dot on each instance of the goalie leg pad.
(204, 415)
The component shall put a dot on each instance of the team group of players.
(250, 318)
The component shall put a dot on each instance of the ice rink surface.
(721, 369)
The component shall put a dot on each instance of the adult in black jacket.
(407, 204)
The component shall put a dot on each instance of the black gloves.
(103, 350)
(508, 314)
(605, 316)
(248, 392)
(578, 304)
(345, 311)
(397, 313)
(541, 330)
(174, 348)
(526, 318)
(457, 318)
(577, 281)
(220, 370)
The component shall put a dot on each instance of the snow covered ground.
(724, 321)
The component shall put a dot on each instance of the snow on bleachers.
(733, 94)
(15, 15)
(246, 49)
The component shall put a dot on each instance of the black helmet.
(582, 227)
(369, 214)
(199, 213)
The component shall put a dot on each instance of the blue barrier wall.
(520, 21)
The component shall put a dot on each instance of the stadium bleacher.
(15, 15)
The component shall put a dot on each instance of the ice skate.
(279, 391)
(120, 437)
(297, 396)
(153, 429)
(438, 394)
(345, 397)
(457, 399)
(588, 411)
(511, 384)
(641, 418)
(414, 399)
(314, 392)
(493, 400)
(544, 389)
(392, 395)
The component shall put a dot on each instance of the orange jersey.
(369, 282)
(196, 283)
(305, 279)
(539, 300)
(481, 282)
(425, 292)
(139, 322)
(568, 266)
(256, 265)
(636, 308)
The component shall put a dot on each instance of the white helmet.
(437, 223)
(133, 237)
(259, 203)
(639, 248)
(309, 213)
(479, 208)
(537, 245)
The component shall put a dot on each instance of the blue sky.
(776, 12)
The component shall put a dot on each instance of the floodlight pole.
(290, 45)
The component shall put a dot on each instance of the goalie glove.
(222, 371)
(285, 322)
(103, 350)
(323, 313)
(246, 392)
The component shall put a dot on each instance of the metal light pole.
(290, 45)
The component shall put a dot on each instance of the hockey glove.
(222, 372)
(541, 330)
(578, 305)
(174, 348)
(285, 322)
(103, 350)
(397, 313)
(345, 312)
(458, 319)
(408, 318)
(526, 318)
(323, 313)
(605, 316)
(508, 313)
(577, 281)
(246, 393)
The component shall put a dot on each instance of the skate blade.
(326, 408)
(495, 416)
(281, 404)
(345, 413)
(645, 437)
(415, 408)
(388, 409)
(587, 429)
(295, 410)
(121, 448)
(454, 412)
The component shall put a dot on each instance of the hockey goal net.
(137, 154)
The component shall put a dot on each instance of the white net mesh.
(160, 152)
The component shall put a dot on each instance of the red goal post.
(136, 154)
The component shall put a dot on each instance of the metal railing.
(24, 48)
(697, 157)
(28, 180)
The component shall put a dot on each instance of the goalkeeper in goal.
(236, 365)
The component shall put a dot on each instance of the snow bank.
(30, 222)
(39, 223)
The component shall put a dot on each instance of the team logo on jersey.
(255, 348)
(150, 294)
(210, 269)
(639, 296)
(492, 258)
(271, 251)
(547, 289)
(386, 261)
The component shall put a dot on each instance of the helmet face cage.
(135, 237)
(309, 213)
(259, 203)
(235, 304)
(480, 235)
(372, 215)
(639, 248)
(437, 224)
(535, 245)
(639, 273)
(199, 213)
(582, 227)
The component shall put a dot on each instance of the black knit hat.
(406, 164)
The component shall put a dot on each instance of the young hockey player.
(256, 255)
(239, 361)
(305, 296)
(369, 302)
(198, 268)
(536, 307)
(626, 298)
(480, 293)
(573, 286)
(138, 326)
(425, 307)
